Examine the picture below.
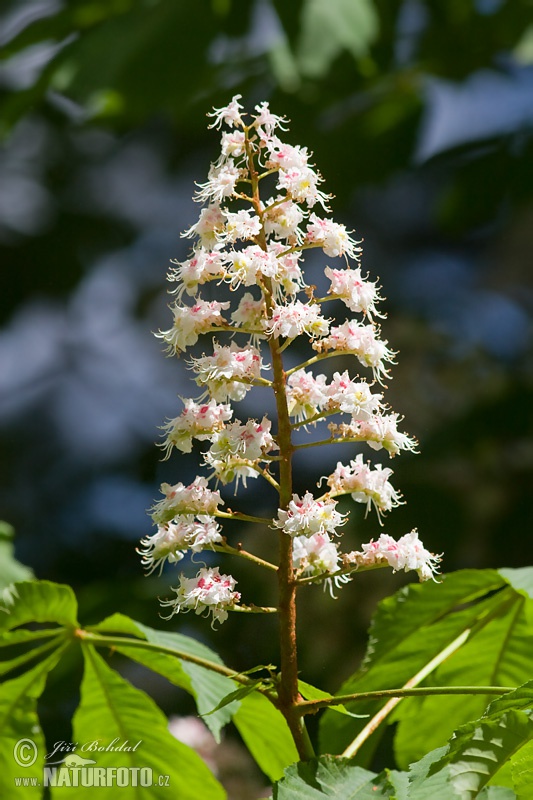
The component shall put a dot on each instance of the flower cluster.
(405, 554)
(209, 592)
(263, 208)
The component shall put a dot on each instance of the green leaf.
(331, 26)
(238, 694)
(39, 601)
(407, 631)
(499, 793)
(11, 570)
(327, 777)
(113, 714)
(479, 749)
(29, 655)
(19, 721)
(522, 772)
(500, 653)
(207, 687)
(266, 735)
(520, 579)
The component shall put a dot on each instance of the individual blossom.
(301, 184)
(196, 421)
(229, 372)
(357, 294)
(282, 219)
(289, 275)
(351, 397)
(191, 321)
(209, 228)
(332, 237)
(232, 145)
(207, 593)
(408, 553)
(220, 184)
(362, 341)
(295, 318)
(230, 114)
(203, 266)
(365, 484)
(306, 516)
(196, 498)
(315, 555)
(285, 156)
(172, 540)
(379, 431)
(239, 225)
(306, 394)
(250, 313)
(237, 448)
(265, 119)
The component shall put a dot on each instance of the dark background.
(420, 117)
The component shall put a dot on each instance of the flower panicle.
(263, 208)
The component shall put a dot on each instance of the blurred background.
(420, 117)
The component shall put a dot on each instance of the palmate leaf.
(113, 713)
(408, 630)
(207, 687)
(501, 653)
(19, 721)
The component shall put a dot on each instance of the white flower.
(306, 395)
(295, 318)
(283, 219)
(314, 555)
(245, 265)
(357, 294)
(180, 499)
(230, 114)
(171, 542)
(242, 224)
(267, 120)
(306, 516)
(201, 267)
(332, 236)
(380, 431)
(196, 421)
(363, 342)
(301, 184)
(209, 227)
(220, 183)
(191, 321)
(366, 485)
(209, 593)
(229, 373)
(234, 449)
(232, 144)
(286, 156)
(407, 553)
(249, 313)
(352, 397)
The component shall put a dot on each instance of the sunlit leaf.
(208, 687)
(112, 717)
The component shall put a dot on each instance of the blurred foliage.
(102, 112)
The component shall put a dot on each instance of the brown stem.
(288, 694)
